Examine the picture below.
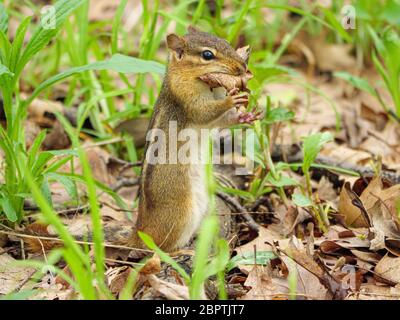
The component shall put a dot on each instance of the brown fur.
(166, 204)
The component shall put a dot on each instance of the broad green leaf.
(357, 82)
(237, 192)
(248, 258)
(44, 33)
(68, 184)
(4, 70)
(301, 200)
(278, 115)
(5, 48)
(20, 295)
(8, 209)
(3, 19)
(34, 149)
(264, 71)
(391, 12)
(125, 64)
(65, 152)
(220, 261)
(40, 163)
(283, 181)
(312, 146)
(45, 188)
(18, 42)
(118, 62)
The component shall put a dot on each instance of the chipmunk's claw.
(250, 117)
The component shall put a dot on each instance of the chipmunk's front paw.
(238, 99)
(249, 117)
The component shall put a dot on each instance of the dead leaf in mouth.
(229, 82)
(244, 53)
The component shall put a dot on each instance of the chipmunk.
(173, 197)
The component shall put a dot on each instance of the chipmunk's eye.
(207, 55)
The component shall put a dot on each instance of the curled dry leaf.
(152, 266)
(170, 291)
(244, 53)
(389, 268)
(229, 82)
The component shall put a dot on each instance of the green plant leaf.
(301, 200)
(283, 181)
(42, 36)
(4, 70)
(18, 42)
(248, 258)
(148, 241)
(312, 146)
(125, 64)
(68, 184)
(333, 21)
(20, 295)
(220, 261)
(278, 115)
(45, 188)
(118, 62)
(3, 19)
(357, 82)
(204, 242)
(8, 209)
(5, 48)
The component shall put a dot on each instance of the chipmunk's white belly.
(199, 202)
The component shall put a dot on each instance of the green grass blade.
(42, 36)
(116, 25)
(18, 42)
(118, 62)
(148, 241)
(98, 236)
(3, 19)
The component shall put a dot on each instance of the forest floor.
(340, 241)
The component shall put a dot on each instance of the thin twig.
(108, 245)
(239, 208)
(125, 182)
(133, 264)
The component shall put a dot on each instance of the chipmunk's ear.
(176, 44)
(192, 29)
(244, 53)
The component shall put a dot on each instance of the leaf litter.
(358, 257)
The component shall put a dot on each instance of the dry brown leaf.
(261, 243)
(353, 215)
(57, 139)
(117, 277)
(371, 291)
(229, 82)
(263, 286)
(372, 257)
(244, 53)
(168, 290)
(389, 268)
(12, 277)
(384, 218)
(308, 285)
(152, 266)
(327, 192)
